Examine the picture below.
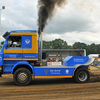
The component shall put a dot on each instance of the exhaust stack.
(40, 47)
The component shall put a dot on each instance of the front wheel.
(82, 75)
(22, 76)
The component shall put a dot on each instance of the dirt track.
(52, 89)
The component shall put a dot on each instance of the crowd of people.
(54, 59)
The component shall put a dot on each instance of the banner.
(54, 63)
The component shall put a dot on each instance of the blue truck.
(20, 54)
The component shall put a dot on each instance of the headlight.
(0, 68)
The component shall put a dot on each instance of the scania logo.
(27, 41)
(67, 71)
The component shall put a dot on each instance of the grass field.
(95, 68)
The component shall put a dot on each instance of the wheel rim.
(82, 76)
(22, 77)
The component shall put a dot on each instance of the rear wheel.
(22, 76)
(82, 75)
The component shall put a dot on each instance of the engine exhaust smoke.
(45, 12)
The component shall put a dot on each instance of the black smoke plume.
(45, 12)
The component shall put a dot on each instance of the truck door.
(30, 48)
(14, 48)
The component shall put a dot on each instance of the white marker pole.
(3, 7)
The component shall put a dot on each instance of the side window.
(14, 41)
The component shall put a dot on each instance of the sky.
(77, 21)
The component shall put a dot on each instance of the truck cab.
(19, 46)
(19, 55)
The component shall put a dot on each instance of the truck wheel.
(82, 75)
(22, 76)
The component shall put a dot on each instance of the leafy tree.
(93, 48)
(98, 49)
(2, 42)
(70, 47)
(55, 44)
(78, 45)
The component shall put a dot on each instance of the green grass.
(94, 68)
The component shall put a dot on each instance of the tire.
(82, 75)
(22, 77)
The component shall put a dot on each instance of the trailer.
(20, 56)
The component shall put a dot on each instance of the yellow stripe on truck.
(33, 34)
(12, 51)
(19, 59)
(53, 76)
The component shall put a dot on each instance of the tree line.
(61, 44)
